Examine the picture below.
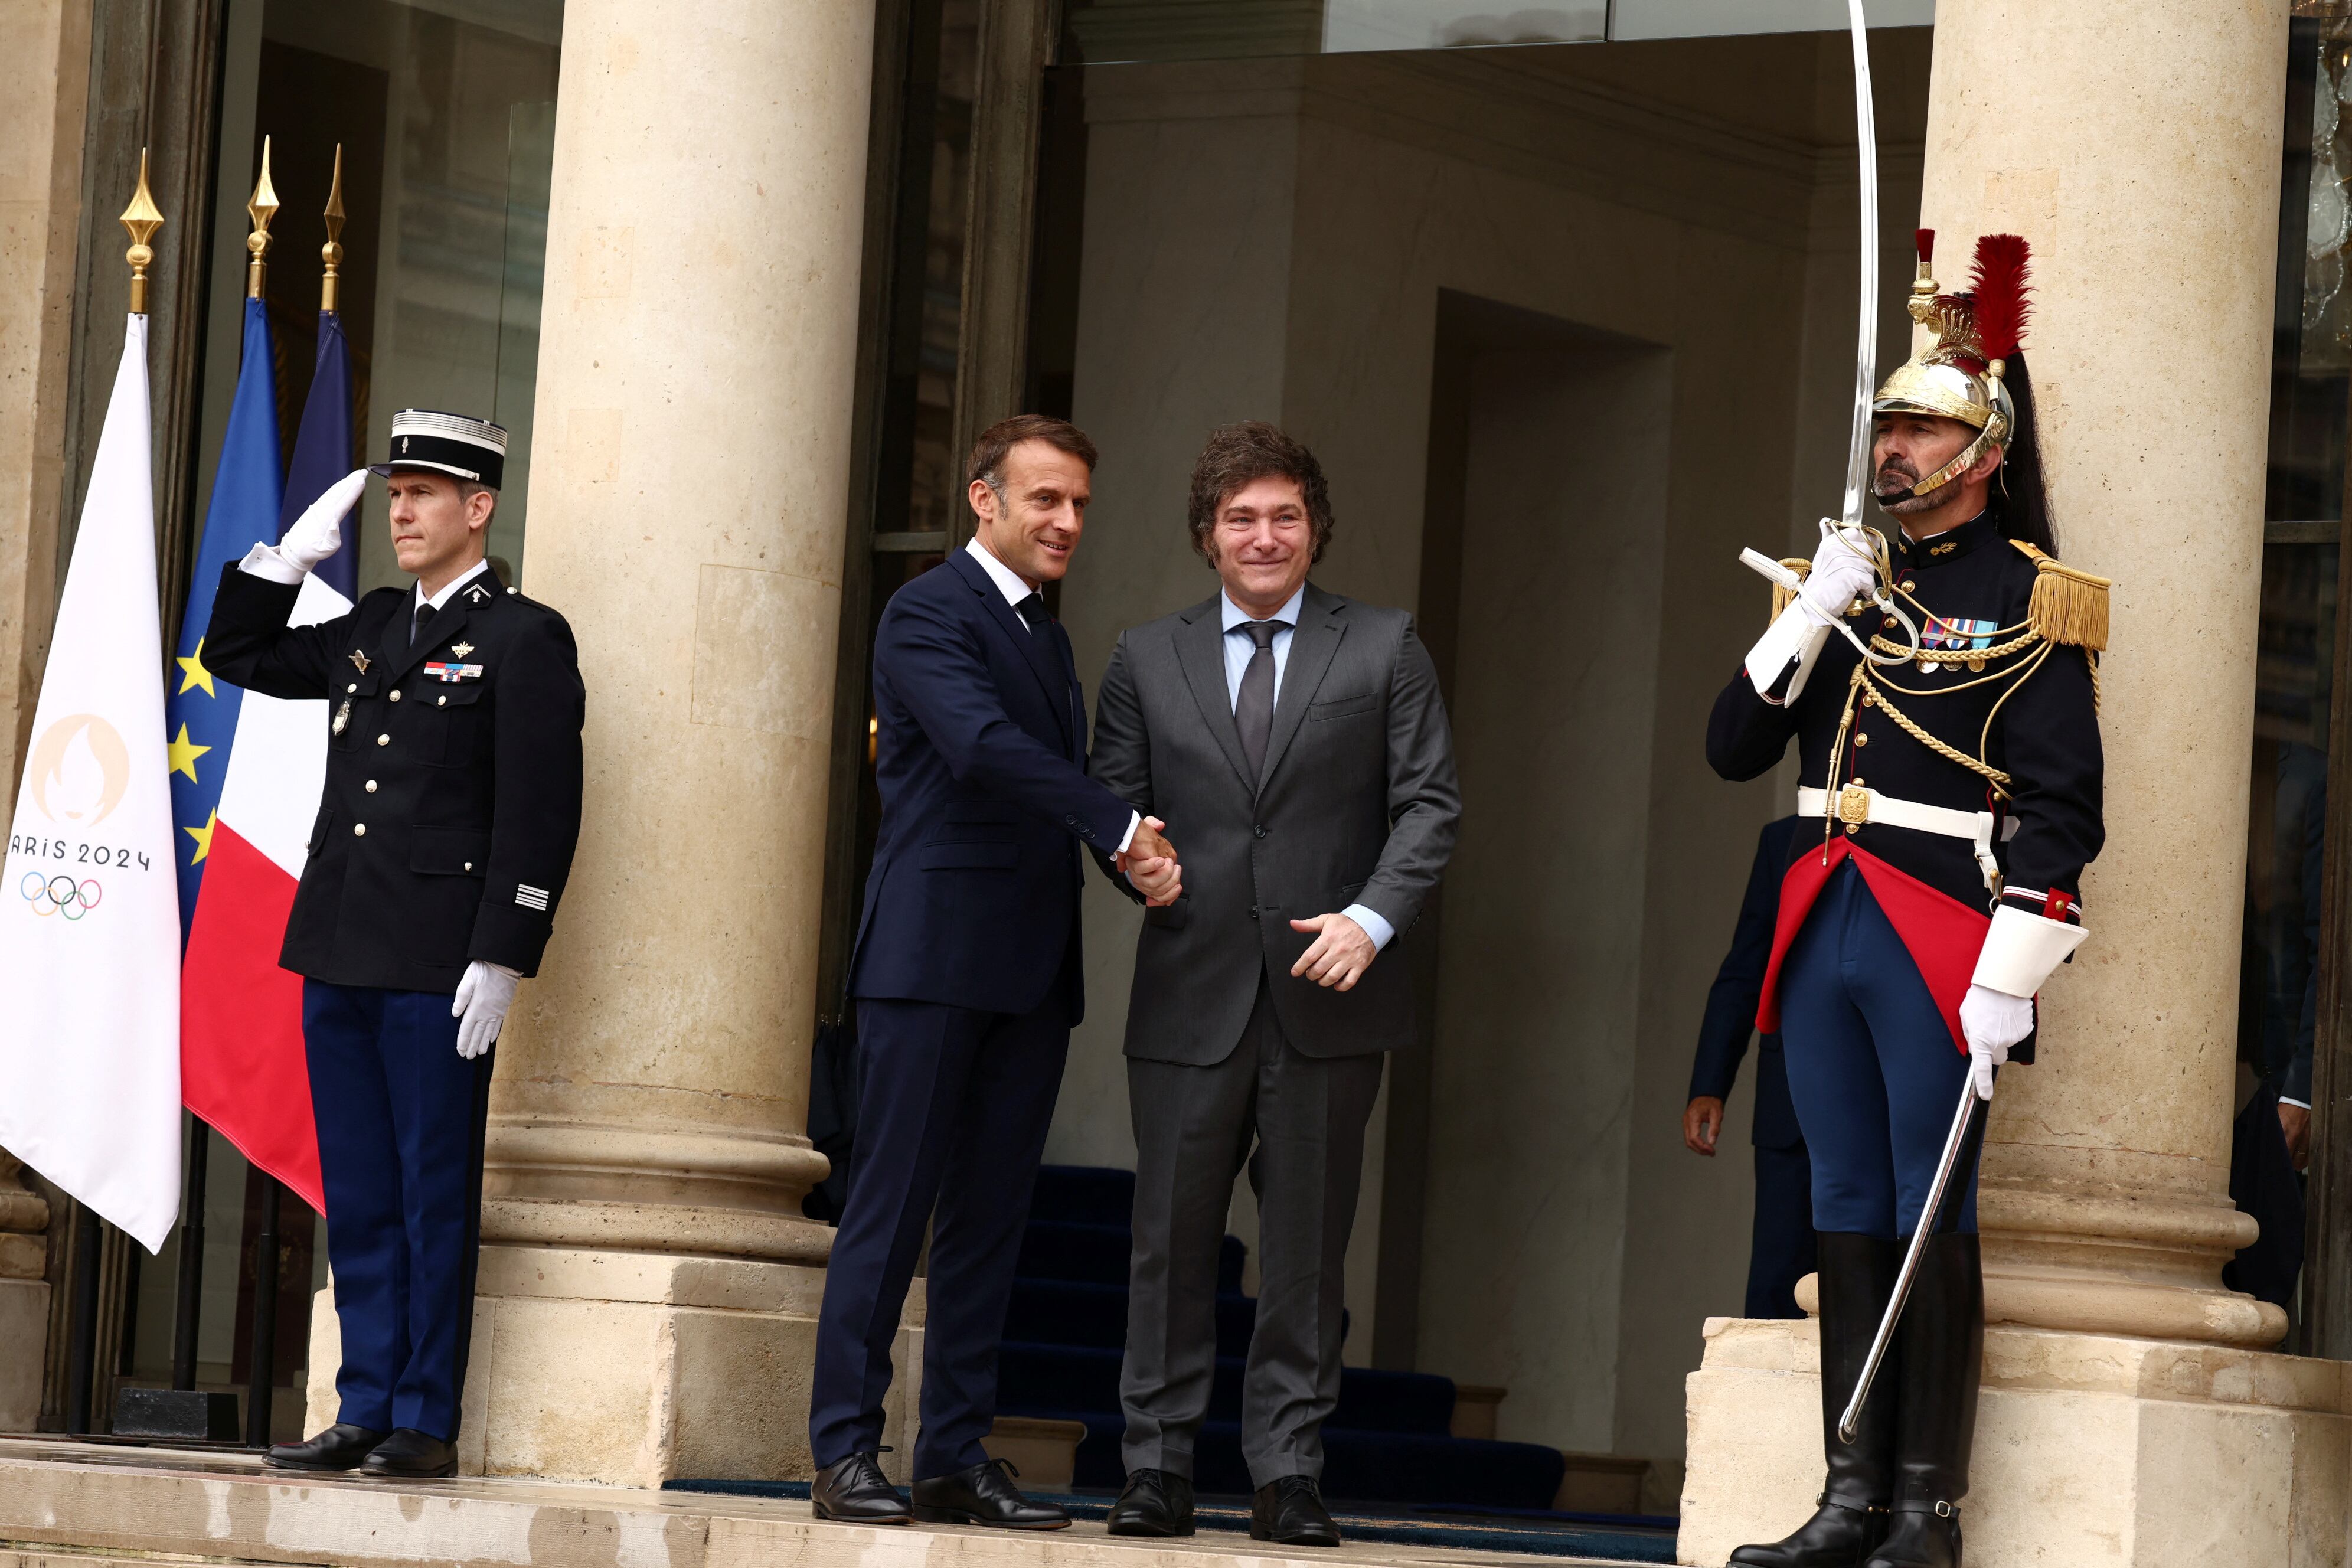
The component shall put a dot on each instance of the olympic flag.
(89, 916)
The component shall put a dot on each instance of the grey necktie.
(1254, 705)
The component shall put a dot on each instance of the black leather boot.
(1941, 1344)
(1857, 1278)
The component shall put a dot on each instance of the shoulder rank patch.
(1783, 597)
(2069, 605)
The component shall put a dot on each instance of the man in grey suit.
(1297, 742)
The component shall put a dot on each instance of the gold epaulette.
(2069, 605)
(1783, 597)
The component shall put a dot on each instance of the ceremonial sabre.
(1954, 1142)
(1865, 372)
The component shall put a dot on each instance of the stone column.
(2127, 1416)
(648, 1290)
(40, 210)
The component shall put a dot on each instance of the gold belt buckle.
(1854, 805)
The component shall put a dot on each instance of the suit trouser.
(1193, 1131)
(400, 1116)
(1782, 1249)
(1873, 1069)
(952, 1109)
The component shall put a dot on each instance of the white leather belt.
(1855, 805)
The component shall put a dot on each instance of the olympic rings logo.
(60, 894)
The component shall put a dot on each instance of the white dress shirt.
(1009, 583)
(1239, 648)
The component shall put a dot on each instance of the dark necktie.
(1254, 705)
(1032, 611)
(423, 624)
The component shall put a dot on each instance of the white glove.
(480, 1004)
(1993, 1021)
(319, 531)
(1841, 574)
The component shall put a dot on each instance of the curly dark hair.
(1238, 454)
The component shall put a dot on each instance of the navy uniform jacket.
(2046, 734)
(980, 757)
(452, 807)
(1731, 1018)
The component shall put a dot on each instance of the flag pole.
(261, 209)
(142, 218)
(331, 253)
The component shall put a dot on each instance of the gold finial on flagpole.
(142, 219)
(331, 253)
(261, 209)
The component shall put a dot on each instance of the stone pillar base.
(2089, 1450)
(639, 1368)
(24, 1323)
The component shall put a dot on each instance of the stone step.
(65, 1505)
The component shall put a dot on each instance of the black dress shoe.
(1155, 1502)
(856, 1492)
(1290, 1512)
(409, 1455)
(984, 1494)
(340, 1447)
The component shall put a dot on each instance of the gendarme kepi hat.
(439, 442)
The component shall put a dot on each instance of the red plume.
(1998, 282)
(1926, 246)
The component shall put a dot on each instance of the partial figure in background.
(1780, 1249)
(1941, 686)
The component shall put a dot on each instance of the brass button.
(355, 685)
(1869, 700)
(441, 701)
(1862, 739)
(395, 694)
(359, 830)
(1975, 664)
(1908, 585)
(371, 786)
(1853, 827)
(383, 739)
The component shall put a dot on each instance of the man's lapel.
(1312, 647)
(1201, 651)
(1043, 661)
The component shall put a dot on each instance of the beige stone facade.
(648, 1287)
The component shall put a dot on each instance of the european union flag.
(200, 716)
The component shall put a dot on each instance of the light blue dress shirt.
(1239, 648)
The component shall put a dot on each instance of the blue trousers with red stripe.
(1873, 1069)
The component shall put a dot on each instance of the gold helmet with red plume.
(1960, 375)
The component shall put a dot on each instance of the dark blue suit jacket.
(1738, 986)
(980, 757)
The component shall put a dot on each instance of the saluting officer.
(443, 836)
(1950, 800)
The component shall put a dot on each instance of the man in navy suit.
(967, 979)
(1780, 1248)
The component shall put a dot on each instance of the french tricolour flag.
(248, 800)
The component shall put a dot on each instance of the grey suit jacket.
(1357, 804)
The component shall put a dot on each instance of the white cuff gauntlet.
(263, 561)
(1793, 636)
(2021, 949)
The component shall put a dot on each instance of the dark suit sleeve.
(540, 705)
(1747, 736)
(1121, 761)
(1731, 1000)
(1425, 796)
(247, 642)
(937, 668)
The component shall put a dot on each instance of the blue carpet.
(1546, 1535)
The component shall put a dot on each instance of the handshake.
(1150, 864)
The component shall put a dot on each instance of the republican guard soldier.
(442, 839)
(1948, 741)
